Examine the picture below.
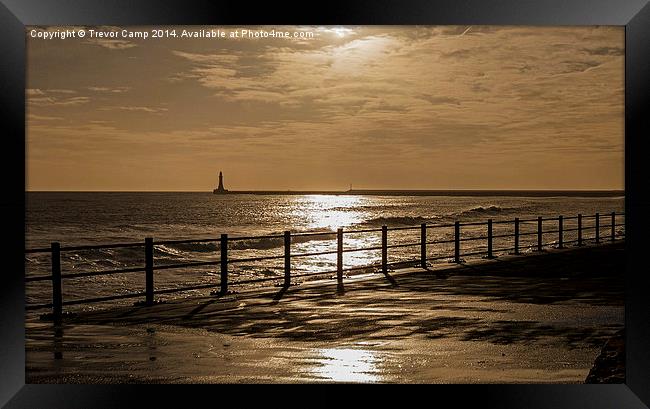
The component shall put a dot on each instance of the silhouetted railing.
(225, 261)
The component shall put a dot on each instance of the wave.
(489, 210)
(198, 247)
(275, 242)
(372, 207)
(398, 221)
(168, 251)
(106, 259)
(266, 243)
(76, 262)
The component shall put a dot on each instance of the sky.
(378, 107)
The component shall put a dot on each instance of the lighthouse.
(220, 189)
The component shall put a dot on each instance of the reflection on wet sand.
(347, 365)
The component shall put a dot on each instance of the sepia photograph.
(437, 204)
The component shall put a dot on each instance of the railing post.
(516, 235)
(539, 234)
(579, 229)
(597, 228)
(489, 239)
(339, 255)
(613, 226)
(223, 247)
(423, 246)
(560, 221)
(57, 297)
(287, 258)
(384, 249)
(457, 242)
(148, 270)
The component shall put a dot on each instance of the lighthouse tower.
(220, 189)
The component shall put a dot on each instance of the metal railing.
(225, 261)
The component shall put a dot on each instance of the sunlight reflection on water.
(348, 365)
(330, 212)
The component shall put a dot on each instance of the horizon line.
(321, 190)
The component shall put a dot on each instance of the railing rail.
(224, 260)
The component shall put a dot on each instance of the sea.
(92, 218)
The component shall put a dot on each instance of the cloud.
(135, 109)
(50, 100)
(117, 90)
(72, 101)
(440, 100)
(460, 54)
(111, 44)
(530, 96)
(578, 66)
(223, 58)
(445, 82)
(604, 51)
(42, 101)
(34, 117)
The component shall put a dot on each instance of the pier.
(220, 190)
(416, 192)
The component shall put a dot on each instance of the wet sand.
(531, 318)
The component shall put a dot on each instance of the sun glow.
(341, 31)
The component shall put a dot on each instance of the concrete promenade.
(535, 318)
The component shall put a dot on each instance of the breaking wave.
(266, 243)
(488, 210)
(398, 221)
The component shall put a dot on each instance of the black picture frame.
(634, 15)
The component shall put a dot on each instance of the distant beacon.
(220, 190)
